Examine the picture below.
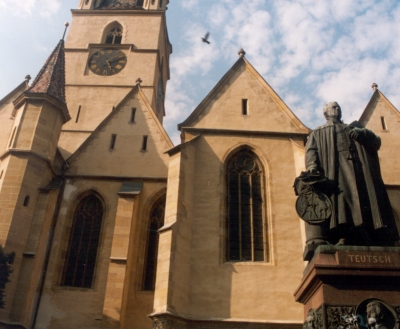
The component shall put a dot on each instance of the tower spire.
(51, 78)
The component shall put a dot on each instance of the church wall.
(174, 253)
(269, 282)
(33, 259)
(219, 289)
(59, 307)
(22, 178)
(390, 166)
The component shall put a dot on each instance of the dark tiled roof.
(51, 78)
(121, 4)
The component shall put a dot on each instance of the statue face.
(373, 313)
(333, 111)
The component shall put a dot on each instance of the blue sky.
(310, 51)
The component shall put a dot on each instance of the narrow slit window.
(78, 113)
(1, 174)
(245, 110)
(160, 4)
(112, 142)
(26, 201)
(133, 113)
(144, 143)
(383, 121)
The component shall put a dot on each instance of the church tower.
(111, 44)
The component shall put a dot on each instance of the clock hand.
(108, 63)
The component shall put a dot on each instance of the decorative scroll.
(341, 317)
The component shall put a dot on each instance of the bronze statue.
(343, 167)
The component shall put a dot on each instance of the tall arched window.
(83, 243)
(245, 233)
(156, 221)
(114, 35)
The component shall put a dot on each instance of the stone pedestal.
(341, 282)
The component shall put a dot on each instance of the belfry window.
(83, 243)
(114, 35)
(245, 238)
(156, 221)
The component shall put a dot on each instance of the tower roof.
(51, 78)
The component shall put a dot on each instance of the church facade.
(115, 227)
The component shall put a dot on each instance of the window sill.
(261, 263)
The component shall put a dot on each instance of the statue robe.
(355, 185)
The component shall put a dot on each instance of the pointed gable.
(379, 106)
(242, 86)
(123, 155)
(51, 78)
(383, 119)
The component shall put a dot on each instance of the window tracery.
(245, 224)
(156, 221)
(83, 243)
(114, 35)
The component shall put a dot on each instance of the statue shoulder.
(326, 125)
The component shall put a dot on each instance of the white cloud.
(24, 8)
(310, 51)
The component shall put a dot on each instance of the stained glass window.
(83, 243)
(156, 221)
(245, 233)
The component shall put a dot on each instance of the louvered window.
(114, 36)
(245, 228)
(83, 243)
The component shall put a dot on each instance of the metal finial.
(65, 31)
(241, 52)
(374, 86)
(28, 78)
(138, 81)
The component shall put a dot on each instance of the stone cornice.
(235, 132)
(115, 12)
(29, 153)
(118, 178)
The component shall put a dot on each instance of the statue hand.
(357, 134)
(313, 171)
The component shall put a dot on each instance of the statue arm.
(372, 141)
(312, 159)
(366, 137)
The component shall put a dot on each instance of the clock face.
(107, 61)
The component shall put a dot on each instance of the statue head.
(375, 313)
(332, 110)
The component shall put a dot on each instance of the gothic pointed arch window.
(245, 235)
(113, 34)
(156, 221)
(83, 244)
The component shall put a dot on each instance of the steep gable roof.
(11, 96)
(371, 106)
(243, 71)
(95, 157)
(51, 78)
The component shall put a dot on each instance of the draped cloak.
(356, 189)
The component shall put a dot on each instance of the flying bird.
(206, 37)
